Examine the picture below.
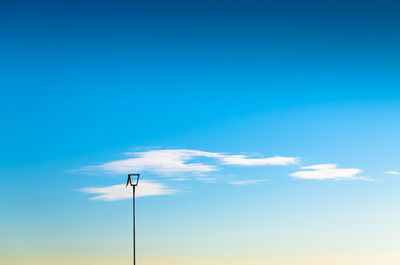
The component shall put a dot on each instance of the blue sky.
(85, 84)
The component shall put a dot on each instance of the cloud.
(243, 160)
(327, 171)
(170, 161)
(392, 172)
(120, 192)
(158, 161)
(246, 182)
(178, 165)
(187, 164)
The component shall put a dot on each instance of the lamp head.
(134, 177)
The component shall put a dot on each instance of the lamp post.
(134, 184)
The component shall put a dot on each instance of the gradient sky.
(86, 85)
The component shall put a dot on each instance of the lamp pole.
(134, 223)
(129, 181)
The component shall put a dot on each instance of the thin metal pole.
(134, 235)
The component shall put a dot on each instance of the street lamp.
(129, 181)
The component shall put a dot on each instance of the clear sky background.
(269, 131)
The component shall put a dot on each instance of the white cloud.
(245, 182)
(392, 172)
(327, 171)
(243, 160)
(171, 161)
(177, 164)
(159, 161)
(120, 192)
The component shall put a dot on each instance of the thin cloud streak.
(396, 173)
(243, 160)
(327, 171)
(247, 182)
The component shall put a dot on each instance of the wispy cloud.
(327, 171)
(158, 161)
(246, 182)
(178, 165)
(170, 161)
(120, 192)
(187, 164)
(392, 173)
(243, 160)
